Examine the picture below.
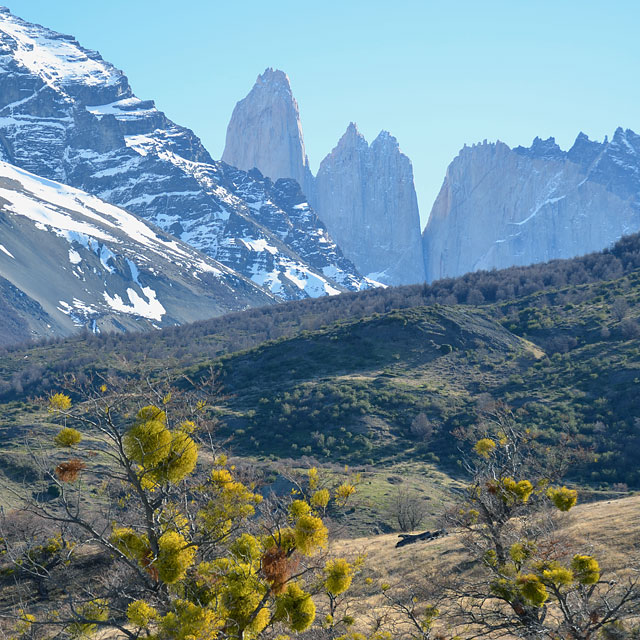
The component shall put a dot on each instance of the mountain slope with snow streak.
(499, 207)
(85, 263)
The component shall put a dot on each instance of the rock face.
(265, 132)
(71, 260)
(365, 195)
(67, 115)
(500, 207)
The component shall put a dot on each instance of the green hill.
(386, 377)
(352, 391)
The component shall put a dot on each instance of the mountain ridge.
(363, 193)
(68, 115)
(84, 263)
(500, 207)
(539, 202)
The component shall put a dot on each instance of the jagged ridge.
(364, 194)
(500, 207)
(68, 115)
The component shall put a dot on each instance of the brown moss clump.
(278, 568)
(69, 471)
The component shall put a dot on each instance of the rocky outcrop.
(71, 260)
(366, 196)
(68, 115)
(265, 132)
(500, 207)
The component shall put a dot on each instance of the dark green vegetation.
(353, 391)
(388, 375)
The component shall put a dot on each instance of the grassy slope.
(610, 530)
(610, 527)
(350, 392)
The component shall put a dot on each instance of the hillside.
(349, 387)
(205, 340)
(71, 260)
(611, 526)
(610, 529)
(352, 391)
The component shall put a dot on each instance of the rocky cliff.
(365, 195)
(68, 115)
(265, 132)
(500, 207)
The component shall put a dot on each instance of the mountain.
(70, 260)
(500, 207)
(67, 115)
(265, 132)
(364, 194)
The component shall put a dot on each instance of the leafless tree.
(407, 509)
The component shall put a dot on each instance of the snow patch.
(126, 109)
(259, 245)
(150, 308)
(135, 272)
(105, 255)
(5, 250)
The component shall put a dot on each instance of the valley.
(229, 388)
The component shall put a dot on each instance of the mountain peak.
(57, 59)
(626, 137)
(584, 151)
(366, 197)
(274, 77)
(385, 139)
(265, 131)
(547, 149)
(350, 139)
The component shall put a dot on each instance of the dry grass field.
(610, 530)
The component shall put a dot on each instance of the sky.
(436, 74)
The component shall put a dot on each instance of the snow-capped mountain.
(363, 193)
(500, 207)
(69, 260)
(67, 115)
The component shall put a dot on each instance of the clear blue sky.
(437, 74)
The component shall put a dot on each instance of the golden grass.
(610, 530)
